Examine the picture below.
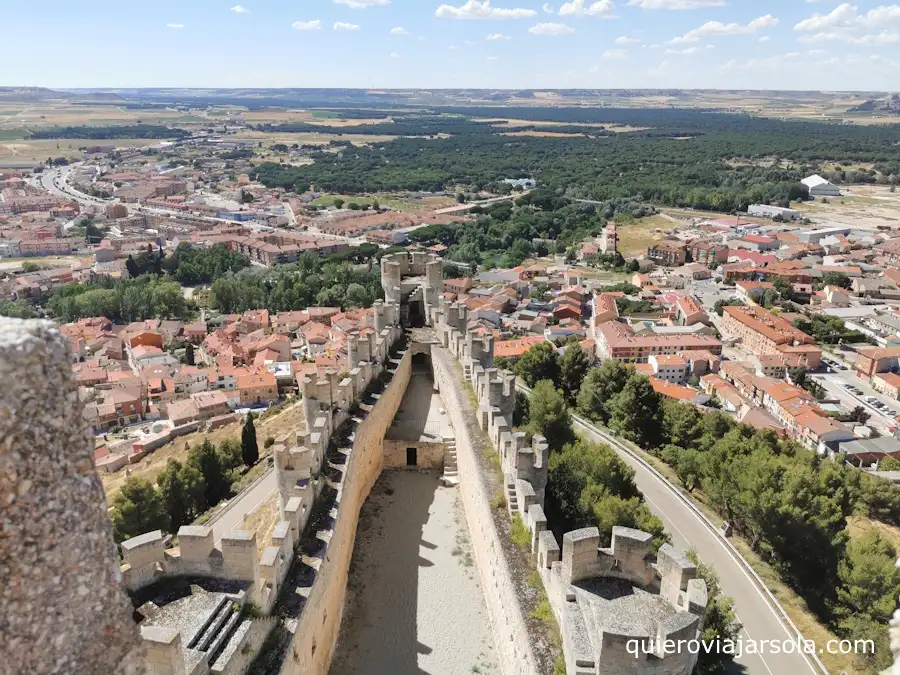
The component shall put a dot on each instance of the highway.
(689, 530)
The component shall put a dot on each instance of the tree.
(338, 203)
(573, 367)
(836, 279)
(578, 466)
(636, 412)
(538, 363)
(783, 286)
(721, 621)
(207, 461)
(230, 454)
(549, 416)
(889, 464)
(249, 446)
(721, 304)
(138, 508)
(598, 388)
(522, 409)
(869, 584)
(189, 353)
(28, 267)
(182, 490)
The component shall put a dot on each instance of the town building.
(765, 333)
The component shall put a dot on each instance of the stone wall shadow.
(380, 628)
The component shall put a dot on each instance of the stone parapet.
(63, 607)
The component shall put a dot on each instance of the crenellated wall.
(593, 649)
(514, 650)
(316, 633)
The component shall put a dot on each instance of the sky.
(725, 44)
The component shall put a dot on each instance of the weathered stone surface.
(62, 608)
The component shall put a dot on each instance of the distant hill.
(889, 105)
(29, 94)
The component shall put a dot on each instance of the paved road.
(761, 621)
(243, 504)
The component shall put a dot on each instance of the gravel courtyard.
(414, 602)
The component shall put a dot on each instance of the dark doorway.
(411, 457)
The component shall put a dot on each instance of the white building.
(819, 187)
(766, 211)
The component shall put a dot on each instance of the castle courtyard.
(414, 602)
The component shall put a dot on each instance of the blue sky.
(771, 44)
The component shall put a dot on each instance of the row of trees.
(184, 490)
(790, 505)
(308, 282)
(121, 300)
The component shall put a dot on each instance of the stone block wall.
(63, 607)
(514, 650)
(315, 637)
(429, 454)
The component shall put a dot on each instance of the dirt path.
(415, 606)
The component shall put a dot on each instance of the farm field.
(310, 138)
(635, 237)
(28, 152)
(865, 207)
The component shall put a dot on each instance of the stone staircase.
(451, 470)
(512, 501)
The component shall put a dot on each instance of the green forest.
(684, 158)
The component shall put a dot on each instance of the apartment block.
(765, 333)
(615, 340)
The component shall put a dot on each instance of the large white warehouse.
(819, 187)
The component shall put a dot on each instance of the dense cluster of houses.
(147, 382)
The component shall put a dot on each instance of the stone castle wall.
(514, 651)
(64, 609)
(316, 635)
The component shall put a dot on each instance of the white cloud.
(395, 55)
(341, 25)
(602, 8)
(885, 37)
(842, 15)
(175, 26)
(497, 36)
(614, 55)
(240, 10)
(676, 4)
(551, 29)
(845, 24)
(473, 9)
(625, 40)
(764, 38)
(685, 51)
(548, 8)
(493, 58)
(452, 48)
(362, 4)
(307, 25)
(399, 30)
(719, 28)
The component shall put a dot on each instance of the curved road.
(688, 530)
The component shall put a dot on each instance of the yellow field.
(38, 151)
(306, 116)
(634, 238)
(619, 128)
(310, 138)
(62, 113)
(543, 134)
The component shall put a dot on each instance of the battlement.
(593, 589)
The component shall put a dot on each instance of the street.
(761, 621)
